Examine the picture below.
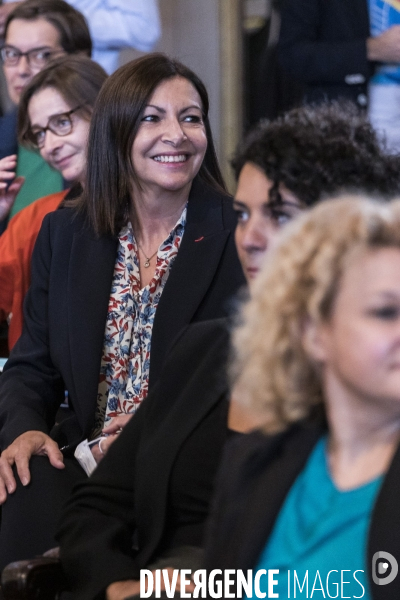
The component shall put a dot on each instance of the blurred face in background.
(59, 132)
(358, 347)
(259, 219)
(40, 39)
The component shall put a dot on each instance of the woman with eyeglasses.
(145, 250)
(36, 31)
(47, 124)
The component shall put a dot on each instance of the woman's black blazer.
(323, 44)
(255, 476)
(129, 490)
(66, 307)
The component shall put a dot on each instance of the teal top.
(324, 531)
(40, 179)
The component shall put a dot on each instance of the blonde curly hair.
(271, 372)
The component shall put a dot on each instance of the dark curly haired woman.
(293, 162)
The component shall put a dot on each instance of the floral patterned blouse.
(125, 363)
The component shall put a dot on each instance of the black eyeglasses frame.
(31, 135)
(6, 61)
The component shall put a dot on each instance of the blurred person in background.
(113, 25)
(316, 490)
(269, 90)
(347, 49)
(54, 119)
(36, 31)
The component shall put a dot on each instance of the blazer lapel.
(89, 284)
(207, 387)
(384, 529)
(194, 268)
(291, 450)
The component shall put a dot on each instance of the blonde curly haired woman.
(316, 493)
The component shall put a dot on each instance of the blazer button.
(355, 79)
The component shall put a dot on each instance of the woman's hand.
(19, 452)
(112, 431)
(123, 589)
(8, 194)
(386, 46)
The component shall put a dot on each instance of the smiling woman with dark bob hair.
(147, 249)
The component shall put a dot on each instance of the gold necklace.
(148, 258)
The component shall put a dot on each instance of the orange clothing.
(16, 247)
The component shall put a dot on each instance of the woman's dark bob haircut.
(69, 22)
(116, 119)
(77, 79)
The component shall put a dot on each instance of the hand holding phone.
(9, 184)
